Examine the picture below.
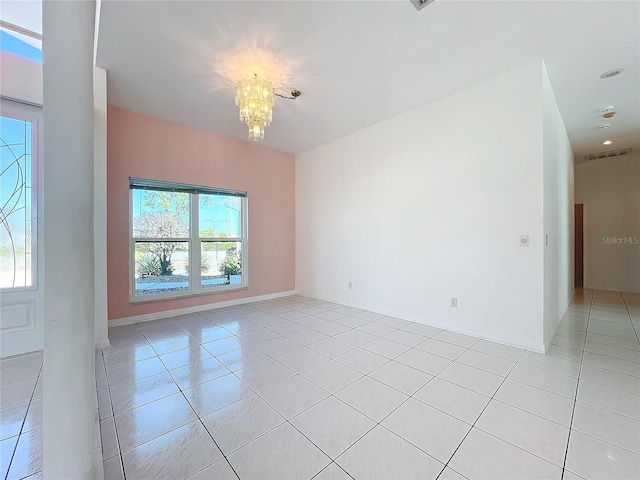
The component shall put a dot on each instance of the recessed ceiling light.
(612, 73)
(607, 142)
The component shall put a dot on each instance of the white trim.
(21, 102)
(100, 202)
(20, 30)
(532, 346)
(148, 317)
(186, 294)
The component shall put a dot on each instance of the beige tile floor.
(299, 388)
(21, 416)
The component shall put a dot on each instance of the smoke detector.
(420, 4)
(607, 112)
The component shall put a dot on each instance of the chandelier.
(255, 97)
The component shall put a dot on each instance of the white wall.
(20, 79)
(610, 192)
(558, 213)
(449, 188)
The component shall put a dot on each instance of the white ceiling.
(360, 62)
(24, 13)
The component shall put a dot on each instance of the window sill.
(184, 294)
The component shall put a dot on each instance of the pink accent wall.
(146, 147)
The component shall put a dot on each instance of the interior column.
(69, 345)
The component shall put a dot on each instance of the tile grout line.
(379, 423)
(334, 335)
(480, 415)
(575, 401)
(332, 463)
(355, 346)
(15, 449)
(629, 314)
(181, 392)
(224, 456)
(286, 420)
(192, 408)
(330, 394)
(606, 344)
(115, 428)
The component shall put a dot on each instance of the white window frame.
(195, 247)
(27, 113)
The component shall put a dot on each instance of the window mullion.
(195, 272)
(160, 239)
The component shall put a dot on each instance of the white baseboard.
(148, 317)
(532, 346)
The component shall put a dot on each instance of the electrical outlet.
(454, 302)
(350, 286)
(269, 280)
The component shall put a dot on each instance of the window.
(21, 29)
(186, 240)
(18, 141)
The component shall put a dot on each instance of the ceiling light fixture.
(612, 73)
(255, 97)
(607, 142)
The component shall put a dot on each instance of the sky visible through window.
(22, 34)
(15, 203)
(11, 44)
(220, 213)
(15, 168)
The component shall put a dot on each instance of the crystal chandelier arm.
(294, 94)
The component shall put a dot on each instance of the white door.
(21, 265)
